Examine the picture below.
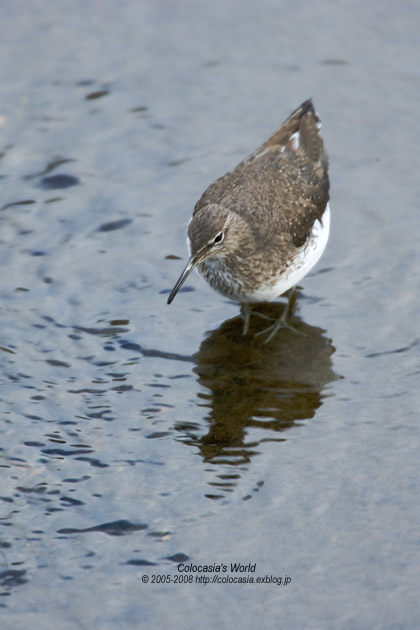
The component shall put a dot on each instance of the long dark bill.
(193, 262)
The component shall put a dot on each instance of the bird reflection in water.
(255, 386)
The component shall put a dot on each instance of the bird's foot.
(274, 328)
(281, 322)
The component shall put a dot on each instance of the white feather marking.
(295, 140)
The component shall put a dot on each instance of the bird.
(258, 230)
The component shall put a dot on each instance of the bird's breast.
(264, 275)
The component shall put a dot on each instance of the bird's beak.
(191, 264)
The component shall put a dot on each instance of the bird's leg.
(246, 314)
(246, 311)
(282, 320)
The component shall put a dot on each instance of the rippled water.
(137, 438)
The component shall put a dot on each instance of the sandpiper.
(259, 229)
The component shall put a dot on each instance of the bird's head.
(212, 234)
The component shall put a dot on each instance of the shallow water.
(139, 437)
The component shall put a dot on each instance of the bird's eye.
(218, 238)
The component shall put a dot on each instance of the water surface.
(136, 436)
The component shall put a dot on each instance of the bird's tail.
(301, 132)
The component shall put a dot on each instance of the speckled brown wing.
(284, 185)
